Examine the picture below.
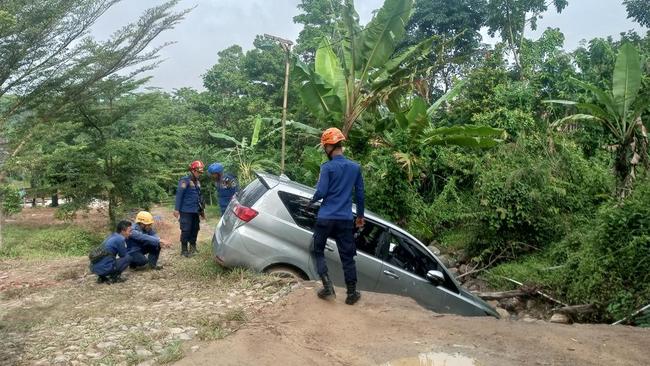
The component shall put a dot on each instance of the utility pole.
(286, 46)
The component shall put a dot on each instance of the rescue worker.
(189, 206)
(144, 244)
(337, 179)
(107, 266)
(225, 184)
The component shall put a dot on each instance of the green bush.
(608, 259)
(10, 199)
(531, 191)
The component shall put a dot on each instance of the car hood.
(489, 310)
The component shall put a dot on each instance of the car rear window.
(302, 213)
(253, 192)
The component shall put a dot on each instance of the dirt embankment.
(390, 330)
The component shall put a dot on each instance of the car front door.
(404, 273)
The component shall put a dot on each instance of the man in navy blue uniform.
(189, 208)
(144, 244)
(107, 266)
(337, 178)
(225, 183)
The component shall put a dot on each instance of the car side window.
(300, 210)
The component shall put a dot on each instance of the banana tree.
(245, 153)
(360, 70)
(619, 111)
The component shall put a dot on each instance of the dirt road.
(389, 330)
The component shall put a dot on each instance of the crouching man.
(144, 244)
(103, 259)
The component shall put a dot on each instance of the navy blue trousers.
(189, 227)
(343, 232)
(139, 259)
(119, 267)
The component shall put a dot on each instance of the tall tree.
(639, 10)
(458, 20)
(509, 18)
(319, 18)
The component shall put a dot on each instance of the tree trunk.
(55, 200)
(112, 205)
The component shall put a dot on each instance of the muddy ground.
(193, 313)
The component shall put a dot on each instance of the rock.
(184, 336)
(510, 304)
(176, 330)
(444, 259)
(61, 359)
(452, 262)
(105, 345)
(560, 318)
(454, 271)
(146, 363)
(528, 319)
(93, 354)
(432, 247)
(195, 348)
(463, 268)
(503, 313)
(144, 353)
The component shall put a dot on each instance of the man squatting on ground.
(189, 206)
(105, 263)
(337, 178)
(144, 244)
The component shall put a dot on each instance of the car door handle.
(391, 274)
(328, 247)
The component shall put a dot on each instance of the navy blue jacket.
(226, 188)
(337, 178)
(188, 195)
(115, 245)
(140, 239)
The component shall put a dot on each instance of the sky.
(217, 24)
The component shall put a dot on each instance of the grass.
(536, 270)
(47, 242)
(172, 353)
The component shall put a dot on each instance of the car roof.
(283, 182)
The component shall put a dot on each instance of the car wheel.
(285, 272)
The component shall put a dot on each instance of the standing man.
(103, 260)
(144, 244)
(337, 178)
(225, 183)
(189, 206)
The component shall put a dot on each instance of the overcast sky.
(216, 24)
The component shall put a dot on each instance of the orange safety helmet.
(196, 165)
(332, 136)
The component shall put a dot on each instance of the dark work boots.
(193, 250)
(353, 294)
(184, 251)
(328, 289)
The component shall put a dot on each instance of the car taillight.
(244, 213)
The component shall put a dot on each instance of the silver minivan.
(268, 227)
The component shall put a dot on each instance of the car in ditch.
(268, 227)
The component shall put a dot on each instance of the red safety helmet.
(197, 165)
(331, 136)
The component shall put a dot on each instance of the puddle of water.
(433, 359)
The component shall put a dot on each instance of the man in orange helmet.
(337, 178)
(189, 206)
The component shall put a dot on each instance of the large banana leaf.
(627, 78)
(384, 32)
(316, 94)
(449, 95)
(466, 135)
(417, 116)
(256, 131)
(225, 137)
(328, 67)
(602, 97)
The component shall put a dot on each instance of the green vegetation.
(523, 156)
(47, 242)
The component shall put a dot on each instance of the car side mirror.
(435, 277)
